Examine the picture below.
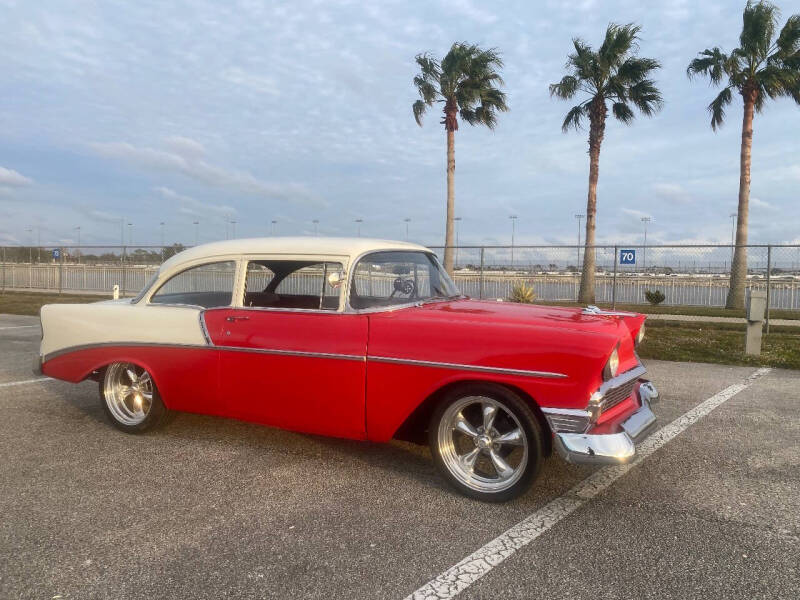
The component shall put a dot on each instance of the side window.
(208, 285)
(293, 284)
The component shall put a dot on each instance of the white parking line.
(460, 576)
(26, 381)
(19, 327)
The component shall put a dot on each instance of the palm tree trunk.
(451, 201)
(596, 131)
(739, 265)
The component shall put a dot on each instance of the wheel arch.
(413, 429)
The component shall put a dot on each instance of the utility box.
(754, 311)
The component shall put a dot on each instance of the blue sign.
(56, 253)
(627, 257)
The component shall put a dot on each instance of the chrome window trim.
(321, 258)
(376, 309)
(463, 367)
(204, 328)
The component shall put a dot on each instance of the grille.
(616, 395)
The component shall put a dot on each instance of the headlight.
(640, 335)
(612, 366)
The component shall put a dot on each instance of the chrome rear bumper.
(611, 448)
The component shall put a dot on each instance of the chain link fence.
(685, 275)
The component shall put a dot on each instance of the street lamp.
(196, 230)
(161, 225)
(274, 226)
(579, 217)
(233, 230)
(458, 221)
(359, 221)
(30, 248)
(645, 220)
(130, 234)
(513, 231)
(407, 221)
(78, 250)
(316, 229)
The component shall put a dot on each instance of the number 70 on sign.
(627, 256)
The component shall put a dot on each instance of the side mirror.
(336, 279)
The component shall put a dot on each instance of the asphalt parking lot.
(213, 508)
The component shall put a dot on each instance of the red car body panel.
(343, 374)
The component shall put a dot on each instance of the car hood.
(511, 313)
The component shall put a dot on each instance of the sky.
(173, 112)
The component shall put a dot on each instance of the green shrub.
(654, 297)
(523, 293)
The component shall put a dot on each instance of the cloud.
(186, 159)
(195, 208)
(471, 11)
(759, 203)
(12, 178)
(671, 192)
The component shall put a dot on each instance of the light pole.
(38, 243)
(645, 220)
(407, 221)
(233, 230)
(458, 222)
(30, 248)
(78, 250)
(122, 231)
(579, 217)
(274, 226)
(196, 230)
(161, 225)
(359, 221)
(316, 229)
(513, 231)
(130, 234)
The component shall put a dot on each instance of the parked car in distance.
(362, 339)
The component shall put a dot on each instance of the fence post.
(769, 269)
(614, 281)
(124, 272)
(480, 284)
(60, 269)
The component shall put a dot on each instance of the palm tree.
(613, 74)
(466, 81)
(758, 69)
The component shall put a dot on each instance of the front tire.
(486, 442)
(130, 398)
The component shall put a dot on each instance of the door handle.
(231, 319)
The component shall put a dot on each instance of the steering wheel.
(404, 286)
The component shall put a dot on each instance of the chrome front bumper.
(610, 448)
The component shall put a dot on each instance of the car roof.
(312, 246)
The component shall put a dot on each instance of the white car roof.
(313, 246)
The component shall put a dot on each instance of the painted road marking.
(26, 381)
(19, 327)
(460, 576)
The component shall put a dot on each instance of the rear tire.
(486, 442)
(130, 398)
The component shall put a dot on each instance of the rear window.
(209, 285)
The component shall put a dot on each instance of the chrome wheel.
(482, 444)
(128, 393)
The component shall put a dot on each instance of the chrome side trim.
(461, 367)
(331, 355)
(273, 351)
(567, 412)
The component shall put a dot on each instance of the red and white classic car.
(362, 339)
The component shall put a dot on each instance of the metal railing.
(686, 275)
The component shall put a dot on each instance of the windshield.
(391, 278)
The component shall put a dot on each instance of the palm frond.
(788, 42)
(758, 27)
(574, 118)
(564, 89)
(419, 108)
(713, 62)
(635, 69)
(583, 61)
(622, 113)
(717, 107)
(619, 40)
(646, 97)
